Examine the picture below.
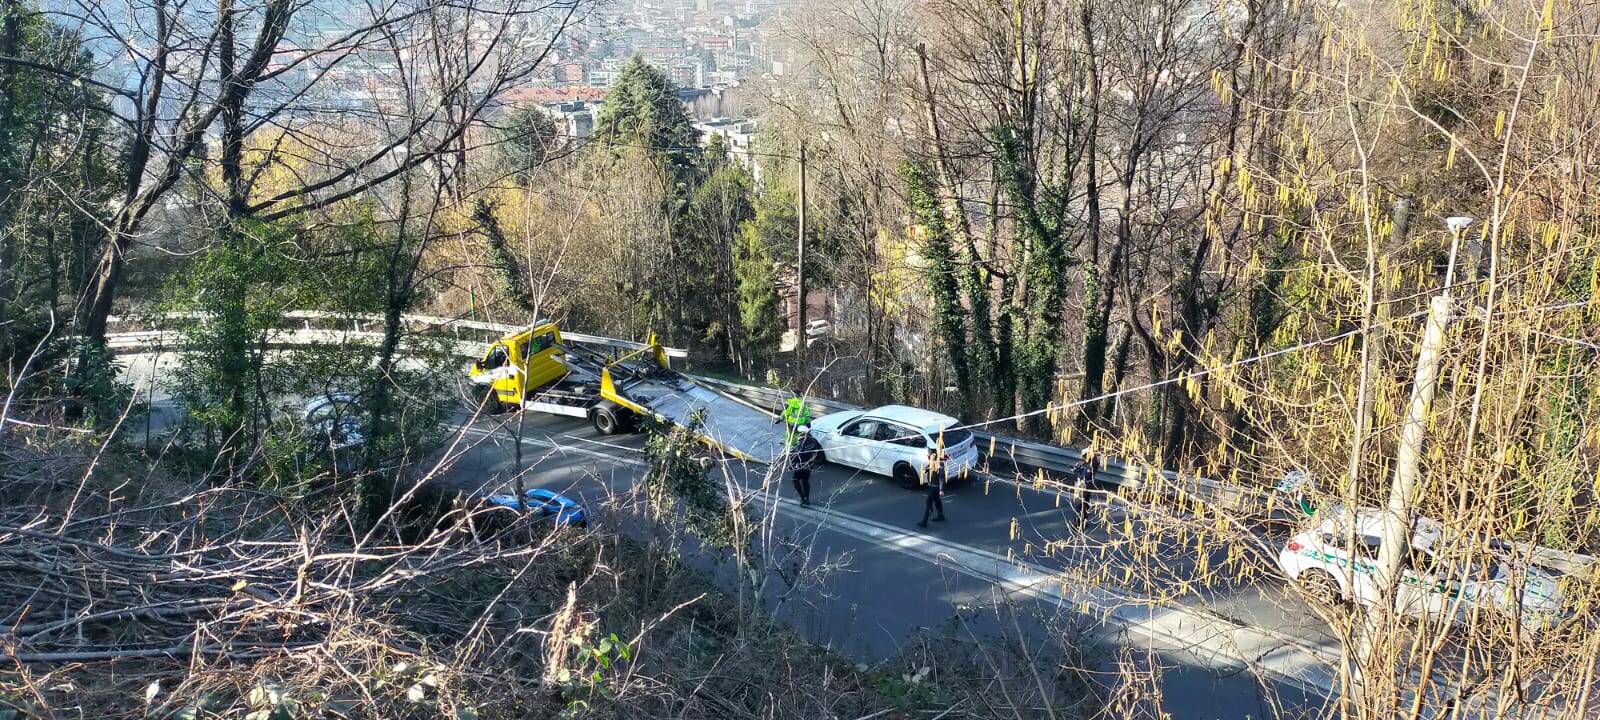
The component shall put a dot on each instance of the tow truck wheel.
(491, 403)
(606, 421)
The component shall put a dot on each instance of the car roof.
(1425, 531)
(927, 421)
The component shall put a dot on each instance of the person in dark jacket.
(934, 502)
(802, 484)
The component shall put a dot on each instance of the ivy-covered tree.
(949, 317)
(760, 322)
(719, 208)
(57, 157)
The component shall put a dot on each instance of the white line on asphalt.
(602, 444)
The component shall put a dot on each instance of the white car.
(904, 443)
(332, 422)
(1317, 560)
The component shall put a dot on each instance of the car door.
(900, 443)
(1364, 561)
(1420, 591)
(501, 372)
(857, 443)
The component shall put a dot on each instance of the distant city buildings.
(709, 48)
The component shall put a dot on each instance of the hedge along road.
(972, 573)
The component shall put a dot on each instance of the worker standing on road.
(1082, 478)
(796, 414)
(802, 484)
(935, 490)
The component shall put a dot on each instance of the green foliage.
(232, 295)
(1041, 228)
(530, 137)
(596, 663)
(948, 314)
(642, 110)
(103, 396)
(235, 391)
(677, 482)
(58, 163)
(760, 322)
(706, 285)
(506, 261)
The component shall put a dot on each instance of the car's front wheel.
(1322, 587)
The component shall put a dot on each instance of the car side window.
(865, 430)
(1367, 547)
(1422, 562)
(541, 343)
(903, 436)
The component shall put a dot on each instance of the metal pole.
(800, 275)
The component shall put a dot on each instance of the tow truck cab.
(534, 353)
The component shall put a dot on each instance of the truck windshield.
(496, 358)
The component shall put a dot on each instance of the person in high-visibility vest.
(796, 413)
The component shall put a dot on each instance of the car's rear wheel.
(906, 476)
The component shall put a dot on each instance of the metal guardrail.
(362, 324)
(1023, 454)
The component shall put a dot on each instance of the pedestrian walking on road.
(802, 484)
(935, 502)
(1082, 478)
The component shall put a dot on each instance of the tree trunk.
(10, 37)
(1100, 292)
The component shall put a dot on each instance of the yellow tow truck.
(612, 383)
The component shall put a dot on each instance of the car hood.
(830, 423)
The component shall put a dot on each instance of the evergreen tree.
(643, 111)
(760, 323)
(530, 138)
(644, 124)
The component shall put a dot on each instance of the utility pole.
(1395, 535)
(800, 275)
